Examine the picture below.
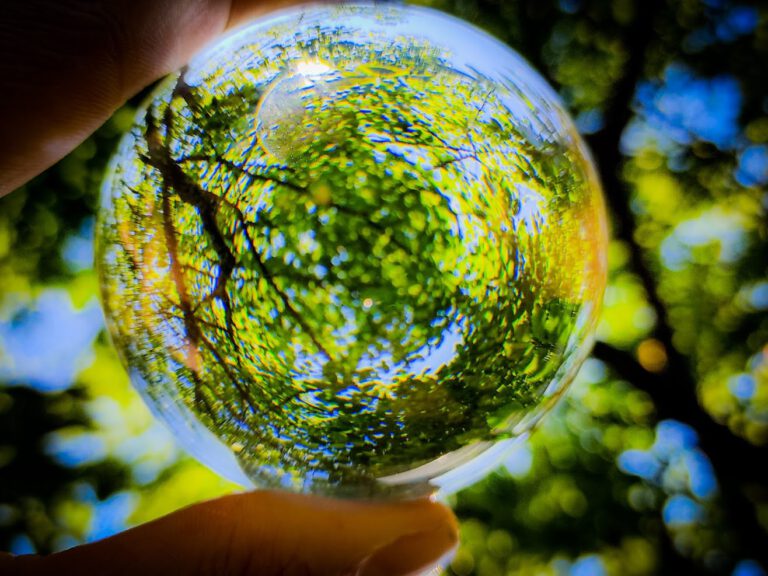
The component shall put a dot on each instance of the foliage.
(650, 465)
(336, 280)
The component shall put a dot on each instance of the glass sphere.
(349, 249)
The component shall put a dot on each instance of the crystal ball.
(352, 250)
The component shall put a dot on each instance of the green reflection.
(347, 259)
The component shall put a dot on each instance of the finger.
(270, 533)
(412, 554)
(65, 67)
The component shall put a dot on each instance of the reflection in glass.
(349, 249)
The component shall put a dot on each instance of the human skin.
(65, 67)
(265, 534)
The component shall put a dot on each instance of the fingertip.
(413, 554)
(422, 551)
(241, 11)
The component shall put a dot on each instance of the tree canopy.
(335, 278)
(650, 465)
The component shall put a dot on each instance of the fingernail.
(413, 554)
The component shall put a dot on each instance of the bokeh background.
(657, 460)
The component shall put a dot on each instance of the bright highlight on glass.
(350, 249)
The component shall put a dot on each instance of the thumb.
(65, 67)
(269, 534)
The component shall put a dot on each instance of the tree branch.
(674, 392)
(726, 457)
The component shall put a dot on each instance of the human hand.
(64, 68)
(265, 534)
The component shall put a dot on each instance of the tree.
(337, 282)
(649, 466)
